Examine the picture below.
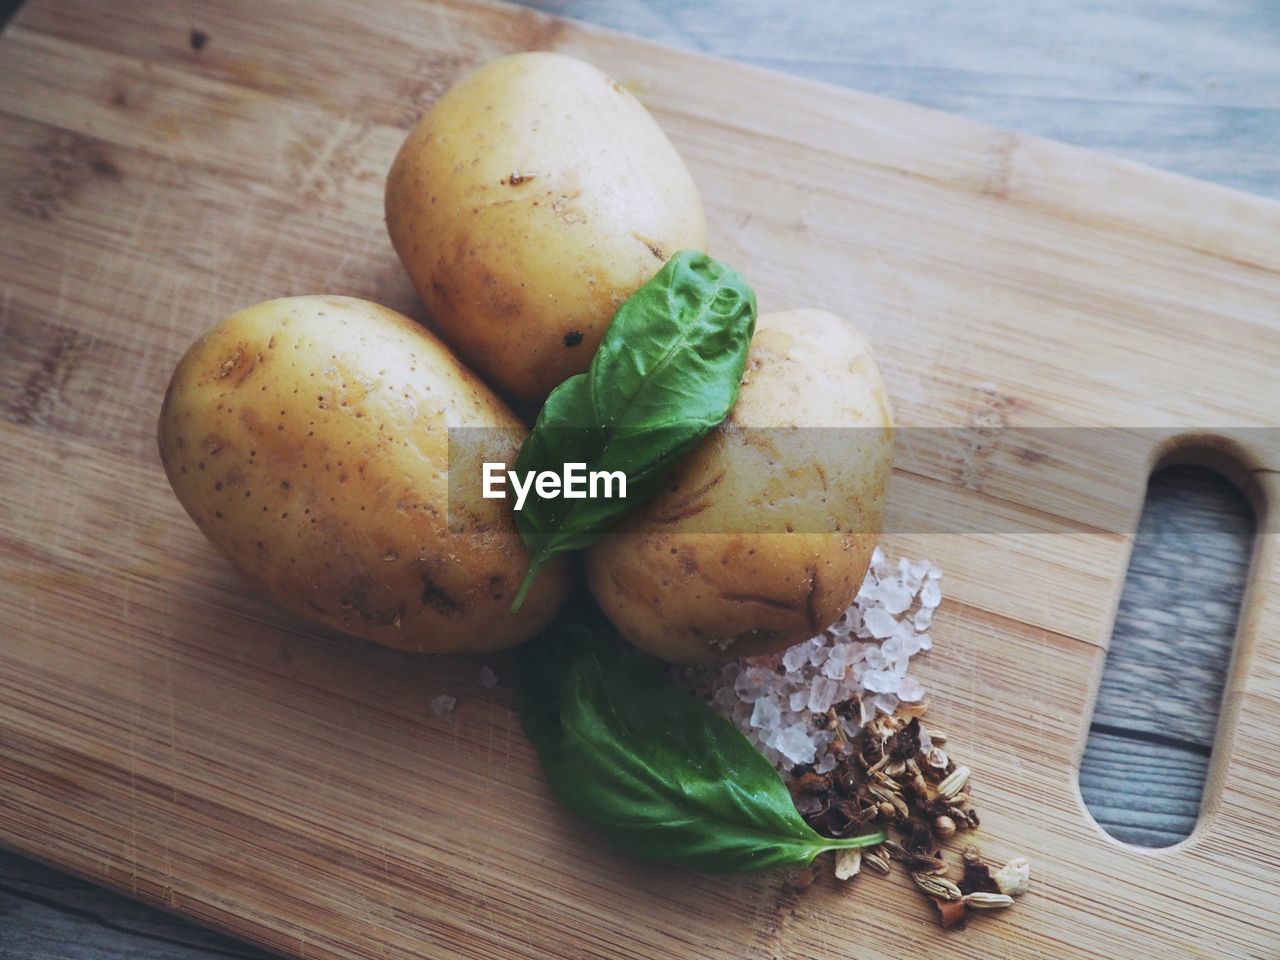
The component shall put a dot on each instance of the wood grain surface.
(110, 629)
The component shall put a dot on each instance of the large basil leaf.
(665, 375)
(661, 774)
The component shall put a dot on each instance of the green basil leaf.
(665, 375)
(655, 769)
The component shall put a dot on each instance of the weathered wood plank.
(1188, 85)
(45, 914)
(1174, 630)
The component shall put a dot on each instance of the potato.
(534, 197)
(308, 438)
(762, 536)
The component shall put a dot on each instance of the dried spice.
(988, 901)
(1014, 878)
(951, 913)
(876, 860)
(893, 773)
(848, 864)
(977, 877)
(936, 886)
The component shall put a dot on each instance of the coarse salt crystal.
(834, 668)
(443, 704)
(885, 703)
(822, 694)
(765, 714)
(910, 690)
(875, 659)
(896, 596)
(930, 594)
(880, 681)
(795, 658)
(488, 678)
(879, 622)
(878, 561)
(796, 744)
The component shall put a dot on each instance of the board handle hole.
(1148, 756)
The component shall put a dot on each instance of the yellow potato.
(534, 197)
(308, 438)
(707, 570)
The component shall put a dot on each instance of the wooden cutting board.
(167, 732)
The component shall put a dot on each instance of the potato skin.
(308, 439)
(531, 200)
(702, 563)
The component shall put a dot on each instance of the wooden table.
(1175, 85)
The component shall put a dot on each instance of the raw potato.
(534, 197)
(307, 437)
(708, 560)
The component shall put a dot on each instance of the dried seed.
(938, 737)
(955, 782)
(900, 807)
(880, 780)
(876, 860)
(936, 886)
(890, 787)
(896, 769)
(951, 913)
(924, 863)
(988, 901)
(887, 810)
(848, 863)
(944, 826)
(936, 757)
(810, 783)
(921, 840)
(894, 849)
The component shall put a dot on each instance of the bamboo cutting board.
(167, 732)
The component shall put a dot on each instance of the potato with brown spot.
(533, 198)
(762, 536)
(308, 437)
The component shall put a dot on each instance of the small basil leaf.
(656, 770)
(666, 374)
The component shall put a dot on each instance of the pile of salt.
(864, 657)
